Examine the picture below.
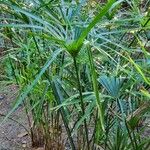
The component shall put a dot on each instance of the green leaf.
(30, 87)
(139, 70)
(111, 84)
(94, 22)
(88, 111)
(145, 93)
(74, 47)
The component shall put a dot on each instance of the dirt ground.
(13, 136)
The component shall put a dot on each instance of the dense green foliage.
(82, 67)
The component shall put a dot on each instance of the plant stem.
(59, 99)
(82, 103)
(132, 142)
(95, 87)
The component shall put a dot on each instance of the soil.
(13, 135)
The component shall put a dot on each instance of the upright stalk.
(81, 101)
(59, 99)
(129, 133)
(96, 91)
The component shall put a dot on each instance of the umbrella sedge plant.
(73, 62)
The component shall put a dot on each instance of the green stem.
(132, 142)
(59, 99)
(82, 103)
(135, 140)
(96, 91)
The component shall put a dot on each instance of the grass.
(81, 66)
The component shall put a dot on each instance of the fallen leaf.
(24, 142)
(22, 134)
